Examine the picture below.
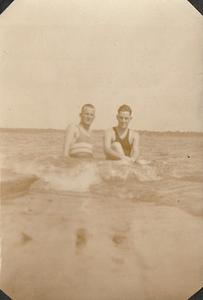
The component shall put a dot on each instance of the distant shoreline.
(147, 132)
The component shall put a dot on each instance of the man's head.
(87, 115)
(124, 116)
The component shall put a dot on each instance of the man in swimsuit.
(120, 142)
(78, 140)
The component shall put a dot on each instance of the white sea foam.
(77, 179)
(122, 171)
(79, 176)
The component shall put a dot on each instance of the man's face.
(87, 116)
(124, 119)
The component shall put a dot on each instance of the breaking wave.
(72, 175)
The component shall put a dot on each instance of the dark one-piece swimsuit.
(125, 143)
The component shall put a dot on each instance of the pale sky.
(57, 55)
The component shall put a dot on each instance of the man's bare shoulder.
(108, 132)
(134, 134)
(72, 127)
(72, 130)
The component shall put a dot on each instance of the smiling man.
(78, 139)
(120, 142)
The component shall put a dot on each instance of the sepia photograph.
(101, 150)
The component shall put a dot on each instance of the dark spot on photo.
(81, 238)
(118, 239)
(25, 238)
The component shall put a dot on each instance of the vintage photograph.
(101, 150)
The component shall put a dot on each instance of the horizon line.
(61, 129)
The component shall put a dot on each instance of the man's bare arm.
(70, 132)
(135, 147)
(107, 146)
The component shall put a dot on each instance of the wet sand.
(88, 248)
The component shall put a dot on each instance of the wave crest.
(74, 175)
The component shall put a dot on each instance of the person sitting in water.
(120, 142)
(78, 140)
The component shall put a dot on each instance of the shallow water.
(103, 230)
(175, 165)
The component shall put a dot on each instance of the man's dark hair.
(87, 105)
(125, 107)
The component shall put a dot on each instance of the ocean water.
(168, 161)
(103, 230)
